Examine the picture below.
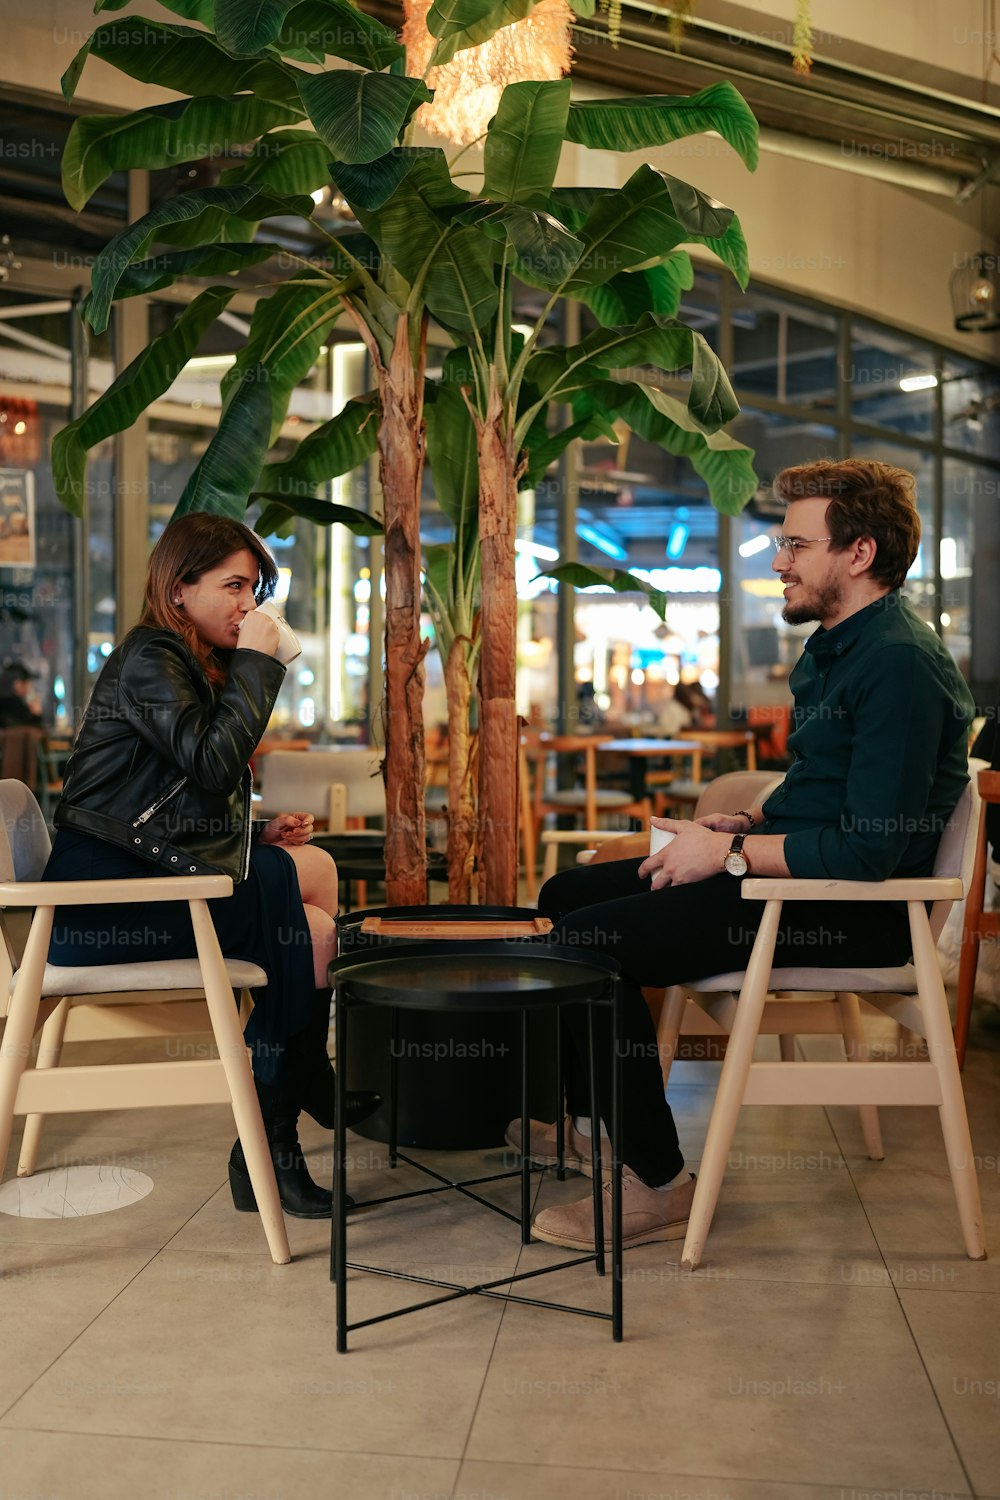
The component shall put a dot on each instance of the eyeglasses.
(790, 543)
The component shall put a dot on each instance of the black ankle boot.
(316, 1082)
(299, 1195)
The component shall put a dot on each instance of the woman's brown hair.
(189, 547)
(866, 498)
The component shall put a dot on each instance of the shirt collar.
(825, 645)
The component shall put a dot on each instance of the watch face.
(736, 864)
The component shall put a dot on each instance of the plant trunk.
(401, 461)
(461, 800)
(498, 714)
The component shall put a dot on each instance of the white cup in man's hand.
(659, 838)
(288, 645)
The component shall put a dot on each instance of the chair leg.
(941, 1049)
(972, 926)
(853, 1029)
(551, 862)
(732, 1085)
(50, 1045)
(786, 1047)
(246, 1109)
(15, 1048)
(669, 1029)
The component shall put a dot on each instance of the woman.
(158, 783)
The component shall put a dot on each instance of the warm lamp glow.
(467, 90)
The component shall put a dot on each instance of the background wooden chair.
(681, 796)
(541, 797)
(131, 1000)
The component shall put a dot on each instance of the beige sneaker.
(542, 1146)
(647, 1215)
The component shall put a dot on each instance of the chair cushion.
(604, 798)
(901, 981)
(178, 974)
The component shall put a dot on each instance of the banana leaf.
(636, 123)
(524, 142)
(245, 203)
(360, 115)
(226, 473)
(279, 512)
(209, 260)
(287, 331)
(583, 576)
(185, 130)
(653, 340)
(139, 384)
(468, 23)
(334, 448)
(288, 162)
(183, 59)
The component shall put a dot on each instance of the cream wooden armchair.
(913, 994)
(148, 999)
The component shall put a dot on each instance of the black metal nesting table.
(468, 976)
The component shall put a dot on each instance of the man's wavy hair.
(189, 547)
(866, 498)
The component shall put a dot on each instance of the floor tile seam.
(5, 1413)
(493, 1347)
(934, 1391)
(219, 1442)
(919, 1486)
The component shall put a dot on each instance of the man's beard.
(824, 602)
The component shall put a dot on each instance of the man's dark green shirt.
(880, 738)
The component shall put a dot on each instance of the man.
(881, 722)
(15, 709)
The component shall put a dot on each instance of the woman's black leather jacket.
(160, 761)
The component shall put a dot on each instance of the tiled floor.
(835, 1345)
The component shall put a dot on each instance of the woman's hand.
(695, 854)
(289, 829)
(258, 632)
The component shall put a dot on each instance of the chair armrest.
(114, 892)
(919, 888)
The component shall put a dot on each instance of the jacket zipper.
(155, 807)
(248, 826)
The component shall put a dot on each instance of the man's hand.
(695, 854)
(289, 829)
(724, 823)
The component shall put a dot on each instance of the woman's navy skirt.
(263, 921)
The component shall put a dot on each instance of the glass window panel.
(880, 360)
(699, 307)
(764, 648)
(919, 588)
(970, 558)
(42, 548)
(785, 350)
(970, 395)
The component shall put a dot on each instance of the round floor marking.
(73, 1192)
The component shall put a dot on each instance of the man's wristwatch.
(736, 861)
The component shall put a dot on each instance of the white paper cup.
(288, 645)
(659, 838)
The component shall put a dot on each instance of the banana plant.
(427, 249)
